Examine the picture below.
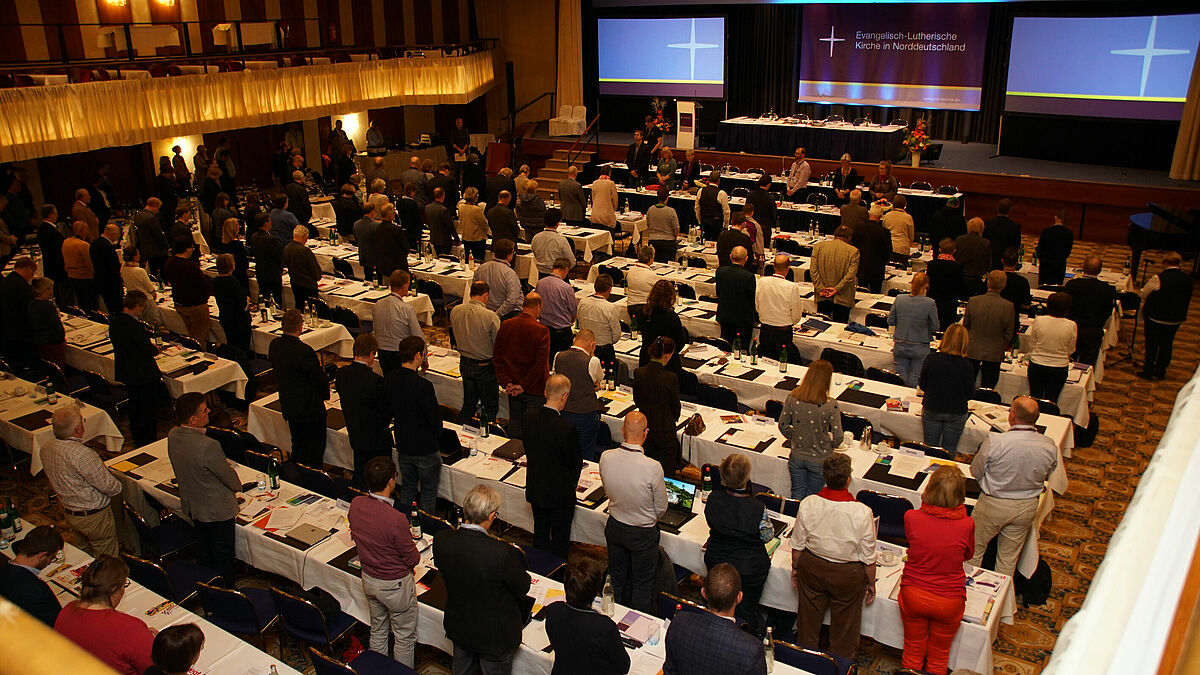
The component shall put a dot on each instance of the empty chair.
(187, 342)
(318, 481)
(723, 345)
(947, 190)
(104, 395)
(778, 504)
(835, 118)
(258, 461)
(874, 320)
(810, 661)
(543, 563)
(666, 605)
(881, 375)
(441, 300)
(757, 170)
(987, 395)
(321, 308)
(302, 620)
(898, 123)
(170, 536)
(740, 192)
(859, 121)
(431, 524)
(67, 385)
(774, 409)
(855, 424)
(615, 272)
(789, 246)
(716, 396)
(685, 291)
(343, 268)
(694, 261)
(366, 663)
(1047, 407)
(890, 510)
(921, 185)
(844, 362)
(175, 581)
(818, 199)
(246, 611)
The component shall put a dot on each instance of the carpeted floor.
(1133, 414)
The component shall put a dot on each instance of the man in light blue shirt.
(559, 305)
(505, 296)
(548, 245)
(395, 320)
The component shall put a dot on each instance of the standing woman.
(120, 641)
(604, 200)
(1052, 341)
(660, 320)
(474, 224)
(916, 320)
(948, 382)
(737, 529)
(521, 179)
(812, 422)
(884, 185)
(656, 394)
(666, 168)
(135, 278)
(941, 537)
(845, 179)
(662, 227)
(233, 304)
(231, 243)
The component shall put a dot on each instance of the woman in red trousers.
(933, 588)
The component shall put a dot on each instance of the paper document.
(158, 471)
(906, 466)
(285, 517)
(494, 468)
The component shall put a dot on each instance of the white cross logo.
(1148, 53)
(692, 46)
(831, 39)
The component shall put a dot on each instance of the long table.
(25, 420)
(865, 143)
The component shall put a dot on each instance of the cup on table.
(887, 557)
(847, 439)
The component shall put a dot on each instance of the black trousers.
(86, 296)
(517, 405)
(301, 296)
(1087, 345)
(711, 228)
(552, 529)
(773, 340)
(731, 332)
(214, 544)
(1160, 338)
(664, 249)
(831, 309)
(872, 286)
(606, 353)
(113, 296)
(663, 447)
(989, 373)
(143, 412)
(272, 290)
(560, 340)
(308, 440)
(632, 563)
(1046, 382)
(156, 263)
(477, 249)
(388, 361)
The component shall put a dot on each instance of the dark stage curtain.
(762, 58)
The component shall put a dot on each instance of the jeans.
(479, 387)
(552, 529)
(632, 563)
(930, 624)
(943, 429)
(909, 357)
(588, 426)
(1160, 338)
(214, 544)
(426, 469)
(517, 405)
(807, 478)
(470, 663)
(1046, 382)
(392, 602)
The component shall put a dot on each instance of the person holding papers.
(737, 529)
(584, 640)
(208, 484)
(388, 555)
(941, 536)
(812, 422)
(710, 642)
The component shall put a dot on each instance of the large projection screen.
(1126, 67)
(918, 56)
(682, 58)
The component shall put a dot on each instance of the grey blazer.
(989, 321)
(574, 203)
(208, 485)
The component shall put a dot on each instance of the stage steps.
(555, 170)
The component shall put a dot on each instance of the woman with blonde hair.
(941, 537)
(948, 382)
(474, 223)
(812, 422)
(231, 243)
(120, 641)
(916, 320)
(521, 179)
(666, 168)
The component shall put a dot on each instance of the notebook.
(680, 497)
(863, 398)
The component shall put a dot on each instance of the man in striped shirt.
(82, 482)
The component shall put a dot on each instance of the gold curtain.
(570, 53)
(1185, 165)
(68, 118)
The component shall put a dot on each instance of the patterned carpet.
(1133, 414)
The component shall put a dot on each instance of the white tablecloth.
(96, 422)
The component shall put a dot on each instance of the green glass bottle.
(754, 352)
(783, 360)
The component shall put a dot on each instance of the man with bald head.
(780, 307)
(735, 299)
(106, 267)
(554, 458)
(1092, 302)
(1012, 469)
(637, 497)
(570, 195)
(521, 358)
(415, 176)
(297, 199)
(80, 211)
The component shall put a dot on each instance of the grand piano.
(1164, 227)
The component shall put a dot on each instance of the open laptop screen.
(680, 493)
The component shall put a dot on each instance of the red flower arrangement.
(917, 140)
(659, 123)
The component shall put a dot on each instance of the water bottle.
(783, 360)
(754, 352)
(273, 475)
(865, 441)
(51, 395)
(737, 349)
(769, 649)
(13, 515)
(263, 313)
(706, 484)
(415, 522)
(633, 330)
(483, 423)
(607, 596)
(7, 534)
(274, 670)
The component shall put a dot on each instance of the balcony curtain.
(69, 118)
(1185, 165)
(570, 54)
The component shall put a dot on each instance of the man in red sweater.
(522, 361)
(388, 555)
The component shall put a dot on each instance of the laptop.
(680, 497)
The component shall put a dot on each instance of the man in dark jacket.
(733, 237)
(1167, 296)
(486, 588)
(297, 200)
(15, 295)
(711, 642)
(268, 260)
(945, 283)
(391, 244)
(501, 182)
(764, 208)
(364, 405)
(106, 265)
(1092, 302)
(874, 244)
(1053, 247)
(637, 158)
(442, 233)
(19, 580)
(302, 267)
(347, 210)
(135, 367)
(947, 221)
(151, 237)
(417, 423)
(854, 212)
(444, 180)
(50, 241)
(502, 221)
(554, 462)
(735, 299)
(1002, 231)
(974, 253)
(303, 391)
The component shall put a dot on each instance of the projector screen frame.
(657, 13)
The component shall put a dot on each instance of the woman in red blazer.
(941, 536)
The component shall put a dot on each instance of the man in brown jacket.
(834, 272)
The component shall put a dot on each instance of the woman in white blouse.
(136, 279)
(1052, 341)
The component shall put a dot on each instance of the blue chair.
(440, 299)
(717, 396)
(175, 581)
(367, 663)
(809, 660)
(303, 621)
(249, 611)
(890, 510)
(542, 562)
(318, 481)
(170, 536)
(774, 409)
(666, 605)
(431, 524)
(782, 505)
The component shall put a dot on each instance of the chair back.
(616, 273)
(324, 664)
(343, 267)
(929, 450)
(694, 261)
(719, 343)
(431, 524)
(789, 246)
(947, 190)
(228, 608)
(97, 385)
(318, 481)
(257, 460)
(987, 395)
(921, 185)
(187, 342)
(149, 574)
(685, 291)
(564, 110)
(51, 371)
(808, 660)
(758, 170)
(579, 112)
(347, 318)
(859, 121)
(874, 320)
(706, 168)
(774, 409)
(883, 375)
(890, 510)
(844, 362)
(321, 307)
(1047, 407)
(716, 396)
(835, 118)
(97, 316)
(301, 618)
(898, 123)
(855, 424)
(740, 192)
(818, 199)
(144, 531)
(778, 504)
(666, 605)
(432, 289)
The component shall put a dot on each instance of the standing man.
(797, 177)
(442, 233)
(179, 164)
(208, 484)
(501, 182)
(656, 394)
(417, 427)
(522, 360)
(1166, 299)
(834, 271)
(486, 587)
(1053, 247)
(504, 287)
(20, 579)
(392, 243)
(990, 321)
(733, 237)
(268, 260)
(297, 199)
(637, 498)
(735, 299)
(974, 253)
(81, 212)
(574, 202)
(151, 240)
(548, 246)
(584, 373)
(780, 307)
(83, 484)
(77, 260)
(475, 327)
(874, 244)
(388, 556)
(900, 224)
(442, 179)
(50, 241)
(1001, 231)
(554, 458)
(637, 159)
(15, 296)
(107, 266)
(303, 390)
(854, 212)
(1012, 469)
(364, 405)
(640, 278)
(600, 316)
(302, 267)
(710, 642)
(134, 365)
(364, 237)
(712, 207)
(559, 305)
(765, 212)
(947, 221)
(413, 175)
(502, 221)
(190, 289)
(395, 320)
(1092, 303)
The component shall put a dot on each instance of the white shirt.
(395, 320)
(798, 175)
(723, 200)
(595, 370)
(778, 301)
(835, 531)
(637, 493)
(640, 279)
(1051, 341)
(600, 316)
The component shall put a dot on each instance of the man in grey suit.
(990, 321)
(854, 212)
(574, 203)
(208, 484)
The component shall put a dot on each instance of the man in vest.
(582, 408)
(712, 207)
(1166, 296)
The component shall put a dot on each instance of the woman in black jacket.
(585, 641)
(233, 304)
(737, 529)
(658, 319)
